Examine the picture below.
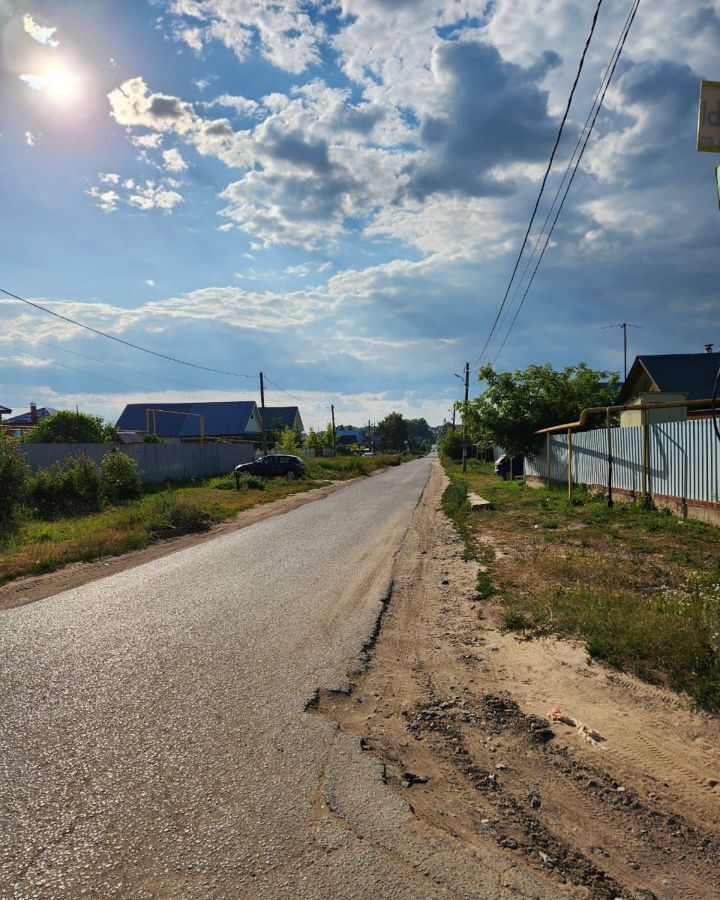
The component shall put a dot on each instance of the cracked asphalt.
(154, 741)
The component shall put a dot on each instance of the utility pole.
(332, 414)
(262, 415)
(624, 326)
(467, 387)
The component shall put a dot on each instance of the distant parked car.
(272, 465)
(368, 453)
(509, 467)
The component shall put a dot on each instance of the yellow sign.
(708, 137)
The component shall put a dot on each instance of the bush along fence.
(675, 464)
(157, 462)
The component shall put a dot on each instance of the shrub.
(179, 518)
(120, 476)
(251, 483)
(70, 489)
(13, 478)
(451, 444)
(483, 585)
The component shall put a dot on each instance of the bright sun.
(61, 83)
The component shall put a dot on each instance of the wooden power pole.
(332, 415)
(262, 415)
(464, 422)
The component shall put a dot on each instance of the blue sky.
(333, 192)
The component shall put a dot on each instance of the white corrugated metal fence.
(683, 459)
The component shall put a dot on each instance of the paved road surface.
(154, 741)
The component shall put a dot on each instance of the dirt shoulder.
(36, 587)
(450, 698)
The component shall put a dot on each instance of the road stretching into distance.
(154, 739)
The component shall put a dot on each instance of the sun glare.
(59, 82)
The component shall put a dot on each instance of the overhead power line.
(598, 107)
(283, 391)
(105, 362)
(112, 337)
(544, 180)
(54, 363)
(566, 173)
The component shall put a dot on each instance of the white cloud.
(301, 271)
(106, 200)
(286, 33)
(149, 282)
(146, 140)
(29, 138)
(228, 306)
(202, 84)
(26, 361)
(41, 33)
(144, 196)
(153, 196)
(242, 105)
(174, 161)
(130, 104)
(36, 82)
(193, 37)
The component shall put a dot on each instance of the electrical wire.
(566, 173)
(518, 286)
(118, 366)
(544, 180)
(92, 374)
(610, 74)
(283, 391)
(118, 340)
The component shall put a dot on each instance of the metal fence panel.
(683, 459)
(157, 462)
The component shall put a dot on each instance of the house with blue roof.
(672, 377)
(183, 423)
(279, 417)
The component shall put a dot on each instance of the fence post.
(644, 452)
(610, 458)
(569, 464)
(547, 459)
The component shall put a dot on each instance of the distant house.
(667, 378)
(346, 437)
(32, 417)
(181, 422)
(4, 411)
(281, 417)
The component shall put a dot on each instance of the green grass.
(456, 507)
(639, 587)
(162, 511)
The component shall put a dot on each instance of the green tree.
(515, 404)
(287, 442)
(13, 478)
(71, 428)
(418, 432)
(393, 432)
(451, 443)
(319, 438)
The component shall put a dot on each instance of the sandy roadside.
(450, 698)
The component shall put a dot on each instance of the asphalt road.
(154, 741)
